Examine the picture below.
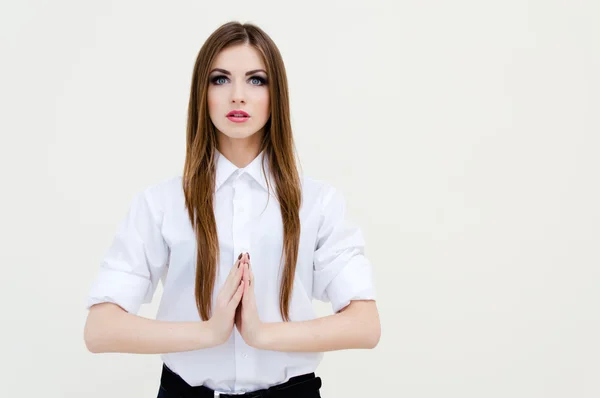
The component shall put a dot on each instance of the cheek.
(211, 100)
(215, 99)
(262, 102)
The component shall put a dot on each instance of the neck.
(240, 151)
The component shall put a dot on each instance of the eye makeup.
(214, 80)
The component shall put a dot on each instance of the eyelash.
(262, 80)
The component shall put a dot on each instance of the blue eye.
(216, 80)
(260, 79)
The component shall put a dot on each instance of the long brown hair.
(200, 162)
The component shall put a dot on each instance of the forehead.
(239, 58)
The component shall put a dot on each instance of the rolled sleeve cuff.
(354, 282)
(124, 289)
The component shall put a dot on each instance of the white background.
(464, 135)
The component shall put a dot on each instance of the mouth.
(238, 116)
(238, 113)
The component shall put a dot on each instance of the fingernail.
(248, 255)
(240, 256)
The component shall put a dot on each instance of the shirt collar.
(226, 169)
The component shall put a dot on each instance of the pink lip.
(238, 111)
(237, 119)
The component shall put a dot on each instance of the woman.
(241, 243)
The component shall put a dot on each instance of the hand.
(246, 318)
(223, 313)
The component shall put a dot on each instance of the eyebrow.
(229, 73)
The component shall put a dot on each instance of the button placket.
(242, 202)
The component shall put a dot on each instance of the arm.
(109, 328)
(127, 278)
(355, 326)
(341, 275)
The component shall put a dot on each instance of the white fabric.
(155, 241)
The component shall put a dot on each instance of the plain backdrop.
(464, 135)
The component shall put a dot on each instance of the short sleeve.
(342, 272)
(135, 261)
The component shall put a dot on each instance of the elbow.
(91, 342)
(94, 331)
(92, 336)
(373, 331)
(376, 336)
(372, 337)
(366, 316)
(371, 325)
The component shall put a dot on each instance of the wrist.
(208, 334)
(266, 336)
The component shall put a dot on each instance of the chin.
(237, 133)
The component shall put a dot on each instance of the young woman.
(242, 244)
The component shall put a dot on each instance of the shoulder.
(162, 193)
(321, 192)
(165, 186)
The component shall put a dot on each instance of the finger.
(251, 276)
(247, 285)
(237, 296)
(233, 269)
(232, 282)
(246, 267)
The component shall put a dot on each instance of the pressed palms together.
(246, 316)
(236, 304)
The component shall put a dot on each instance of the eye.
(259, 81)
(216, 79)
(262, 81)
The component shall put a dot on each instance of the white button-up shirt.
(155, 242)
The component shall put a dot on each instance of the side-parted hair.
(200, 162)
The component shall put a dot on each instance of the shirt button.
(245, 356)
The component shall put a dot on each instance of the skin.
(355, 326)
(110, 328)
(239, 142)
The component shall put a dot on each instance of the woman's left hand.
(247, 320)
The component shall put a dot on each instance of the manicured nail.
(248, 255)
(240, 256)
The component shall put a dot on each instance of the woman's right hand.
(223, 314)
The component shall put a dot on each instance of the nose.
(237, 95)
